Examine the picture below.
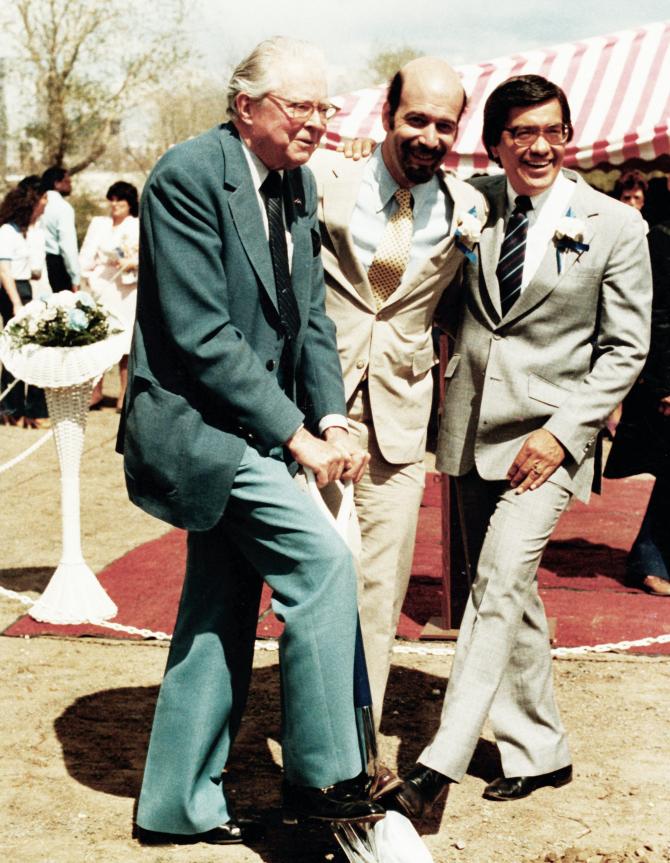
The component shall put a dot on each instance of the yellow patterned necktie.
(390, 260)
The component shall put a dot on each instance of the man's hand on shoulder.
(536, 461)
(357, 458)
(357, 148)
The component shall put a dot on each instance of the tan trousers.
(387, 505)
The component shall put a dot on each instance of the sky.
(470, 31)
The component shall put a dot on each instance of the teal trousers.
(271, 531)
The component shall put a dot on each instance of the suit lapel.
(547, 276)
(488, 297)
(245, 212)
(340, 190)
(301, 238)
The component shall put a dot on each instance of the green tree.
(383, 65)
(87, 63)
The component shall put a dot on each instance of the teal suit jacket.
(207, 342)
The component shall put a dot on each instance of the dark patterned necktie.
(271, 189)
(513, 254)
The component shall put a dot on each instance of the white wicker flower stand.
(73, 594)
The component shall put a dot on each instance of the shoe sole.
(291, 819)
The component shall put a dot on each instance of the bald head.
(425, 76)
(421, 113)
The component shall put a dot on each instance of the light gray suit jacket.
(564, 355)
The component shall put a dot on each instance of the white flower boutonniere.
(569, 236)
(468, 233)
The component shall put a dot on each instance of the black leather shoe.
(343, 802)
(233, 832)
(516, 787)
(420, 791)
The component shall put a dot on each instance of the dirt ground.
(75, 718)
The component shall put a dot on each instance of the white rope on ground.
(26, 452)
(416, 650)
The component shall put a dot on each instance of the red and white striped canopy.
(618, 87)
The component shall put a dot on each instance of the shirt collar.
(538, 201)
(387, 186)
(259, 170)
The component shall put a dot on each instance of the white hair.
(257, 75)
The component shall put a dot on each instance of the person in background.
(108, 261)
(642, 441)
(20, 208)
(60, 231)
(631, 189)
(37, 243)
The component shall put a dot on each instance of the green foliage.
(88, 62)
(385, 63)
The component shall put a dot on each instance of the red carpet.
(580, 578)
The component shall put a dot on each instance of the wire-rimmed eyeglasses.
(524, 136)
(302, 111)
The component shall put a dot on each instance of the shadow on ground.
(104, 738)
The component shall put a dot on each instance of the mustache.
(421, 150)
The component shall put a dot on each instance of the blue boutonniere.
(467, 234)
(569, 236)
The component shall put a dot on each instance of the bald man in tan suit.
(384, 334)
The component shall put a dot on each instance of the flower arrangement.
(62, 320)
(468, 233)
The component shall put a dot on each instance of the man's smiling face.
(531, 169)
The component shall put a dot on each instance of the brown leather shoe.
(656, 585)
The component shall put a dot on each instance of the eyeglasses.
(302, 111)
(524, 136)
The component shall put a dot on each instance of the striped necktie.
(390, 260)
(271, 190)
(513, 254)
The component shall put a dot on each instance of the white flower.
(569, 228)
(468, 229)
(49, 314)
(32, 327)
(63, 300)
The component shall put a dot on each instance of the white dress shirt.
(432, 213)
(60, 233)
(548, 208)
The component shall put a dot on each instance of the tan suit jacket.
(394, 346)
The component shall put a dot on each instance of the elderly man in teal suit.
(234, 380)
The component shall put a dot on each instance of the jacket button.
(360, 364)
(270, 365)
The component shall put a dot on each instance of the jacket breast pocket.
(544, 391)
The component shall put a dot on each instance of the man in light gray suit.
(553, 334)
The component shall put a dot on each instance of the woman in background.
(20, 208)
(108, 261)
